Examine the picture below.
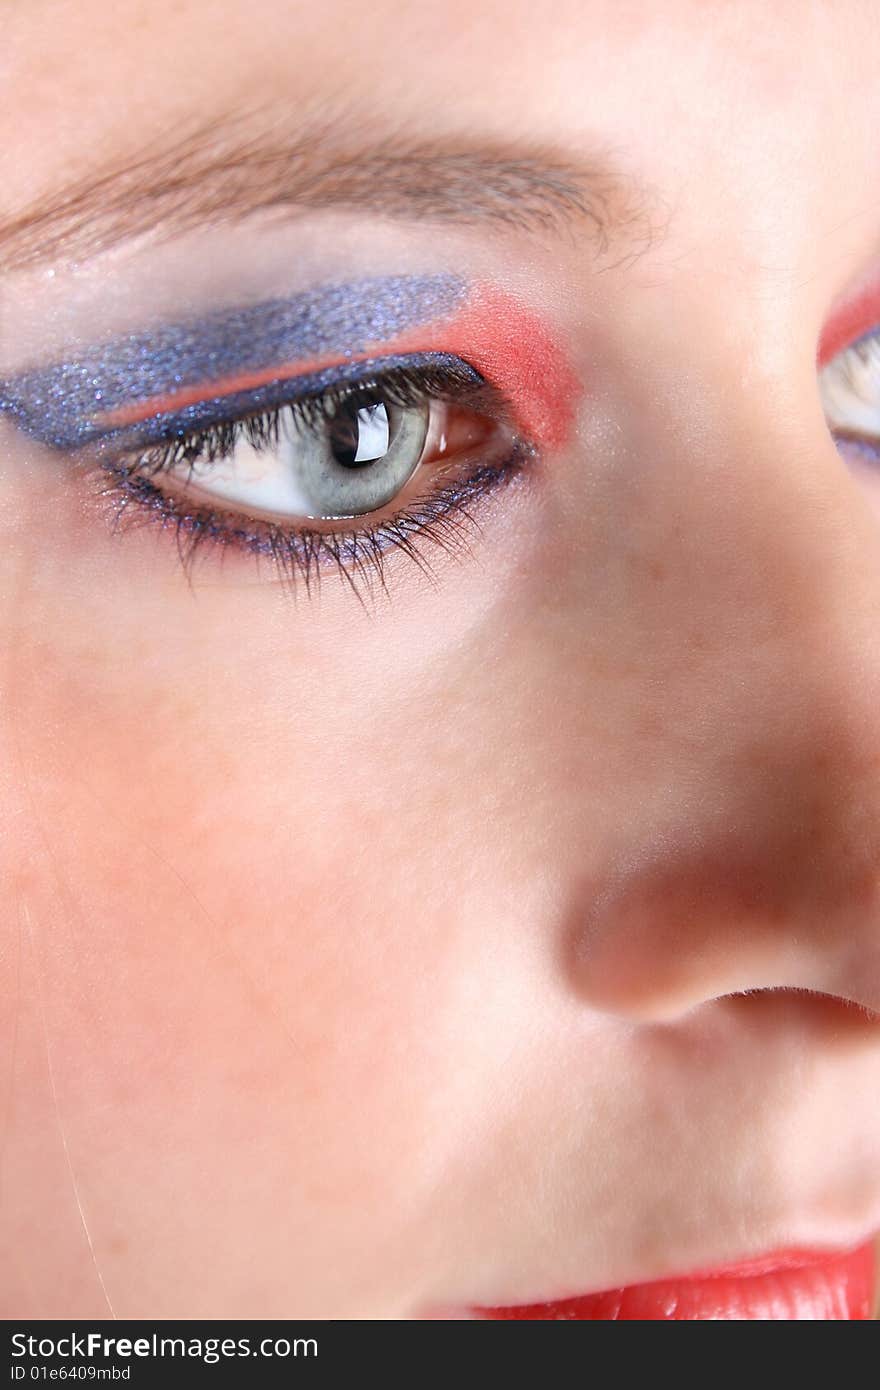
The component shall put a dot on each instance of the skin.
(516, 936)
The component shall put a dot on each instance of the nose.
(756, 863)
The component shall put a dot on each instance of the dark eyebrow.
(233, 169)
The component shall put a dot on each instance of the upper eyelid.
(490, 329)
(329, 330)
(207, 410)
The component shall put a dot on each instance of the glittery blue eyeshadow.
(62, 405)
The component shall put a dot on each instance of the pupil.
(359, 435)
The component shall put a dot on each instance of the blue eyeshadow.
(257, 399)
(62, 404)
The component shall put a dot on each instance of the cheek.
(286, 872)
(196, 854)
(252, 958)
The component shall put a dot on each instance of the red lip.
(791, 1284)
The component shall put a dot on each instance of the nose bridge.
(763, 863)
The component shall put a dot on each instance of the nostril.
(734, 917)
(835, 1009)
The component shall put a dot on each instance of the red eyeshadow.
(850, 322)
(510, 345)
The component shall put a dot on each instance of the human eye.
(849, 385)
(312, 438)
(334, 475)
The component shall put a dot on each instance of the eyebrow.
(232, 169)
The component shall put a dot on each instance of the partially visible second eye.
(850, 389)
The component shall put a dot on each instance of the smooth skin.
(513, 936)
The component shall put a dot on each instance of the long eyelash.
(444, 519)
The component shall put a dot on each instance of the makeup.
(225, 353)
(244, 360)
(184, 396)
(855, 319)
(788, 1285)
(513, 349)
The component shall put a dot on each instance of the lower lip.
(798, 1285)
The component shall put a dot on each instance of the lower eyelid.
(858, 447)
(443, 520)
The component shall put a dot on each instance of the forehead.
(600, 62)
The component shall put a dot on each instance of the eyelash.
(444, 517)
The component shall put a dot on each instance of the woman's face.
(478, 902)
